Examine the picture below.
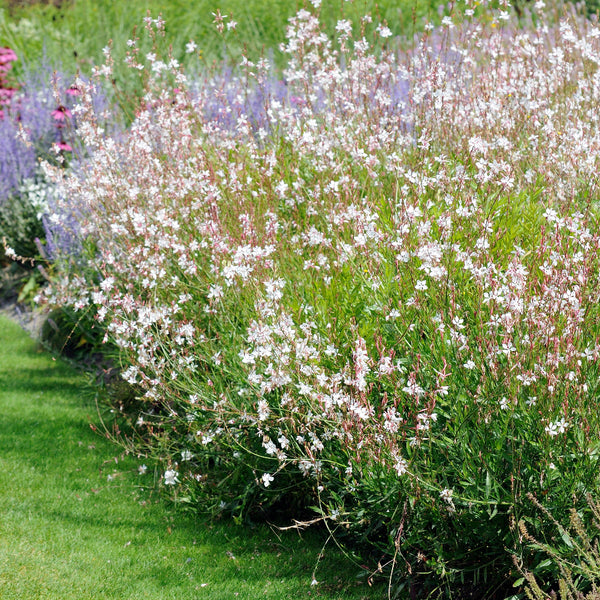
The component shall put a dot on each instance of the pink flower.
(60, 115)
(64, 147)
(73, 91)
(7, 55)
(6, 95)
(297, 100)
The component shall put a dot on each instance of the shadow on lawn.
(50, 380)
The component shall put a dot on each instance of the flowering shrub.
(36, 124)
(371, 290)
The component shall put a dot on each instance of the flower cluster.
(7, 57)
(39, 125)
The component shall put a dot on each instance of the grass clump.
(572, 549)
(74, 33)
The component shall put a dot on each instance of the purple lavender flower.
(17, 160)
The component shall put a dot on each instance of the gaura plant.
(372, 292)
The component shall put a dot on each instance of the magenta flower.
(297, 100)
(6, 95)
(7, 56)
(73, 91)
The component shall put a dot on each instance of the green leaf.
(82, 342)
(566, 539)
(27, 289)
(543, 564)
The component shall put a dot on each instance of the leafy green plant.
(20, 225)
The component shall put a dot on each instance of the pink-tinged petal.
(7, 55)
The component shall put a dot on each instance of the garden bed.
(362, 286)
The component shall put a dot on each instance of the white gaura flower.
(446, 494)
(267, 478)
(384, 31)
(557, 427)
(401, 466)
(263, 410)
(171, 477)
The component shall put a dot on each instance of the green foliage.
(74, 33)
(74, 335)
(414, 434)
(20, 226)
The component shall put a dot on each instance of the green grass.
(75, 34)
(69, 531)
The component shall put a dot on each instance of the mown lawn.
(79, 522)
